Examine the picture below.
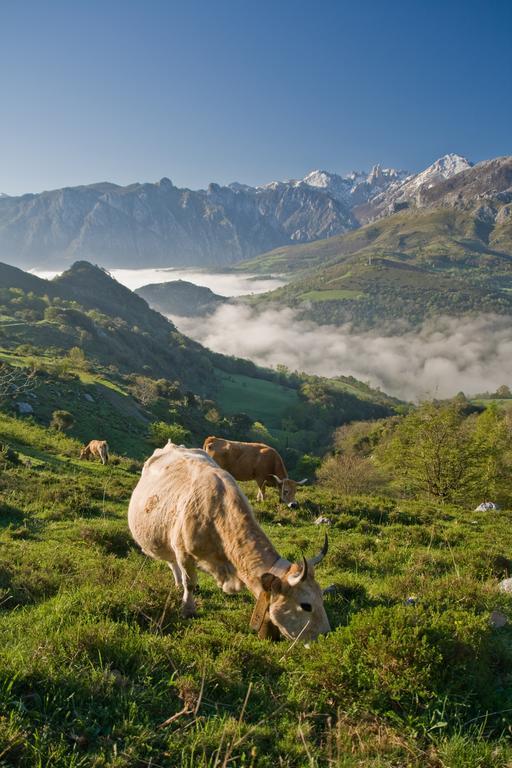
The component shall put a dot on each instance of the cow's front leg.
(261, 491)
(188, 570)
(176, 572)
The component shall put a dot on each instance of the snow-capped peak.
(381, 186)
(443, 168)
(320, 178)
(357, 186)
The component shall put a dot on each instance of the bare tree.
(15, 381)
(145, 390)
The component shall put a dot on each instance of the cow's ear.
(271, 583)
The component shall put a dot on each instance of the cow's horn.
(318, 558)
(302, 482)
(277, 479)
(301, 576)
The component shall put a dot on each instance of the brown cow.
(189, 512)
(97, 448)
(254, 461)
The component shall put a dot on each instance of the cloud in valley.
(223, 283)
(445, 356)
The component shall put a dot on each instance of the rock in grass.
(24, 409)
(497, 619)
(505, 585)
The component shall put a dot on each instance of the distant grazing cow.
(254, 461)
(97, 448)
(188, 511)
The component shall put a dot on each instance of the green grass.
(94, 655)
(263, 400)
(331, 295)
(113, 415)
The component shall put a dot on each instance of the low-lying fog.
(442, 358)
(225, 284)
(445, 356)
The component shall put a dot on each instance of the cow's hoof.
(188, 612)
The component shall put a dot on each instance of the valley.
(377, 362)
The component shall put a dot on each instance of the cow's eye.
(306, 606)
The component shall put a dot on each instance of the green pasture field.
(331, 295)
(97, 668)
(263, 400)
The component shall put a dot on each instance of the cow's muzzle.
(293, 504)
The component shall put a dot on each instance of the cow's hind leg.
(188, 571)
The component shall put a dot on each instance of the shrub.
(349, 473)
(62, 420)
(160, 432)
(411, 663)
(307, 465)
(77, 358)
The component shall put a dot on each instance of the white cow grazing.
(188, 511)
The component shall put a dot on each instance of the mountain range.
(447, 249)
(162, 225)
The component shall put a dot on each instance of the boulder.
(24, 409)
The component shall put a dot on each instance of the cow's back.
(245, 461)
(176, 500)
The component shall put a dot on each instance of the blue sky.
(247, 90)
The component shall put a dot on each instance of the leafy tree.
(260, 434)
(190, 399)
(77, 358)
(432, 452)
(160, 432)
(307, 465)
(492, 442)
(241, 424)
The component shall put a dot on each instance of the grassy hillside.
(386, 293)
(94, 656)
(407, 267)
(179, 297)
(442, 237)
(118, 367)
